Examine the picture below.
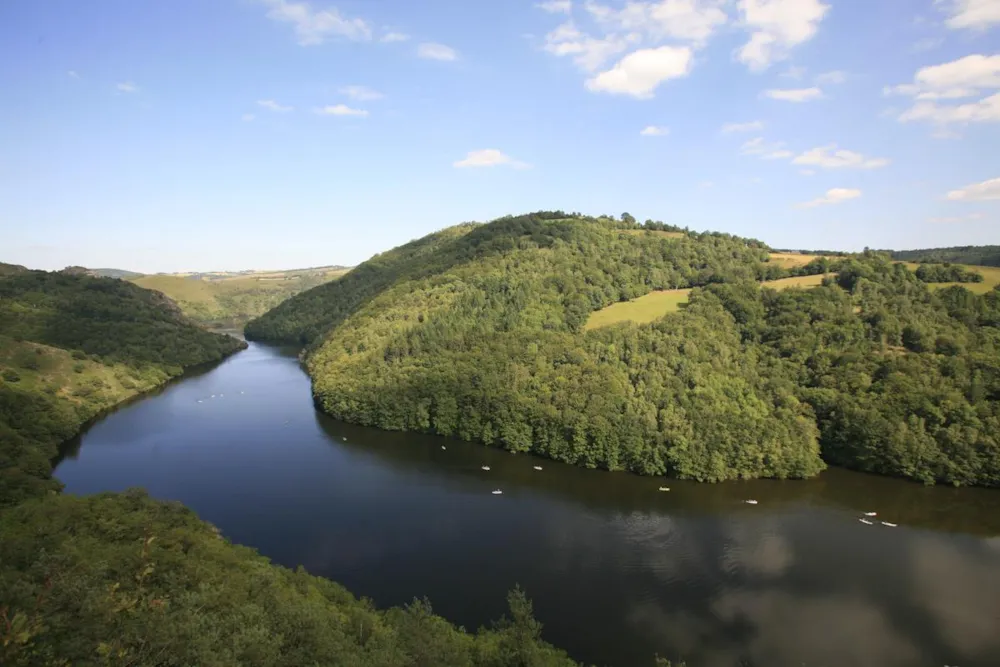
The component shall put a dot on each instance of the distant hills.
(982, 255)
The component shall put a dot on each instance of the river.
(618, 571)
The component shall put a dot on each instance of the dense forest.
(120, 579)
(476, 332)
(947, 273)
(983, 255)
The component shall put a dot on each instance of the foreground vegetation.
(229, 300)
(480, 332)
(120, 579)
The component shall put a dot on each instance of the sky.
(238, 134)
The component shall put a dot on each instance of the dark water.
(617, 570)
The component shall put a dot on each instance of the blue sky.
(232, 134)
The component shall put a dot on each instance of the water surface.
(617, 570)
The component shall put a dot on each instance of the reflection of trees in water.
(696, 575)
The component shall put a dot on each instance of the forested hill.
(120, 579)
(983, 255)
(477, 332)
(73, 345)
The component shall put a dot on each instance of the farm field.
(991, 278)
(655, 305)
(231, 299)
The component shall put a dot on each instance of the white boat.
(664, 488)
(886, 523)
(871, 513)
(199, 400)
(750, 502)
(866, 522)
(497, 492)
(538, 467)
(443, 447)
(486, 467)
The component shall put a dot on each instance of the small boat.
(886, 523)
(199, 400)
(871, 513)
(486, 467)
(664, 488)
(537, 467)
(443, 447)
(866, 522)
(750, 502)
(497, 492)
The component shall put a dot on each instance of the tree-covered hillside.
(119, 579)
(982, 255)
(478, 332)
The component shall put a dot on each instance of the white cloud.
(834, 77)
(489, 157)
(985, 191)
(127, 87)
(639, 73)
(655, 131)
(589, 53)
(794, 94)
(314, 26)
(433, 51)
(73, 74)
(957, 218)
(247, 117)
(752, 126)
(766, 151)
(830, 157)
(341, 110)
(986, 110)
(394, 37)
(776, 27)
(833, 196)
(975, 14)
(686, 20)
(955, 79)
(271, 105)
(966, 77)
(556, 6)
(646, 26)
(361, 93)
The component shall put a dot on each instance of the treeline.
(120, 579)
(982, 255)
(947, 273)
(872, 370)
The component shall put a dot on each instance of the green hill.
(224, 299)
(983, 255)
(121, 579)
(121, 274)
(479, 332)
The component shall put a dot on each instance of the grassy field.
(90, 386)
(655, 305)
(232, 299)
(655, 232)
(991, 278)
(790, 260)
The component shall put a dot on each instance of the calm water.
(617, 570)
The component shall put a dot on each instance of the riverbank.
(618, 571)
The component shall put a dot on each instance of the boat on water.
(750, 502)
(486, 467)
(664, 488)
(497, 492)
(443, 447)
(871, 513)
(886, 523)
(538, 467)
(866, 522)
